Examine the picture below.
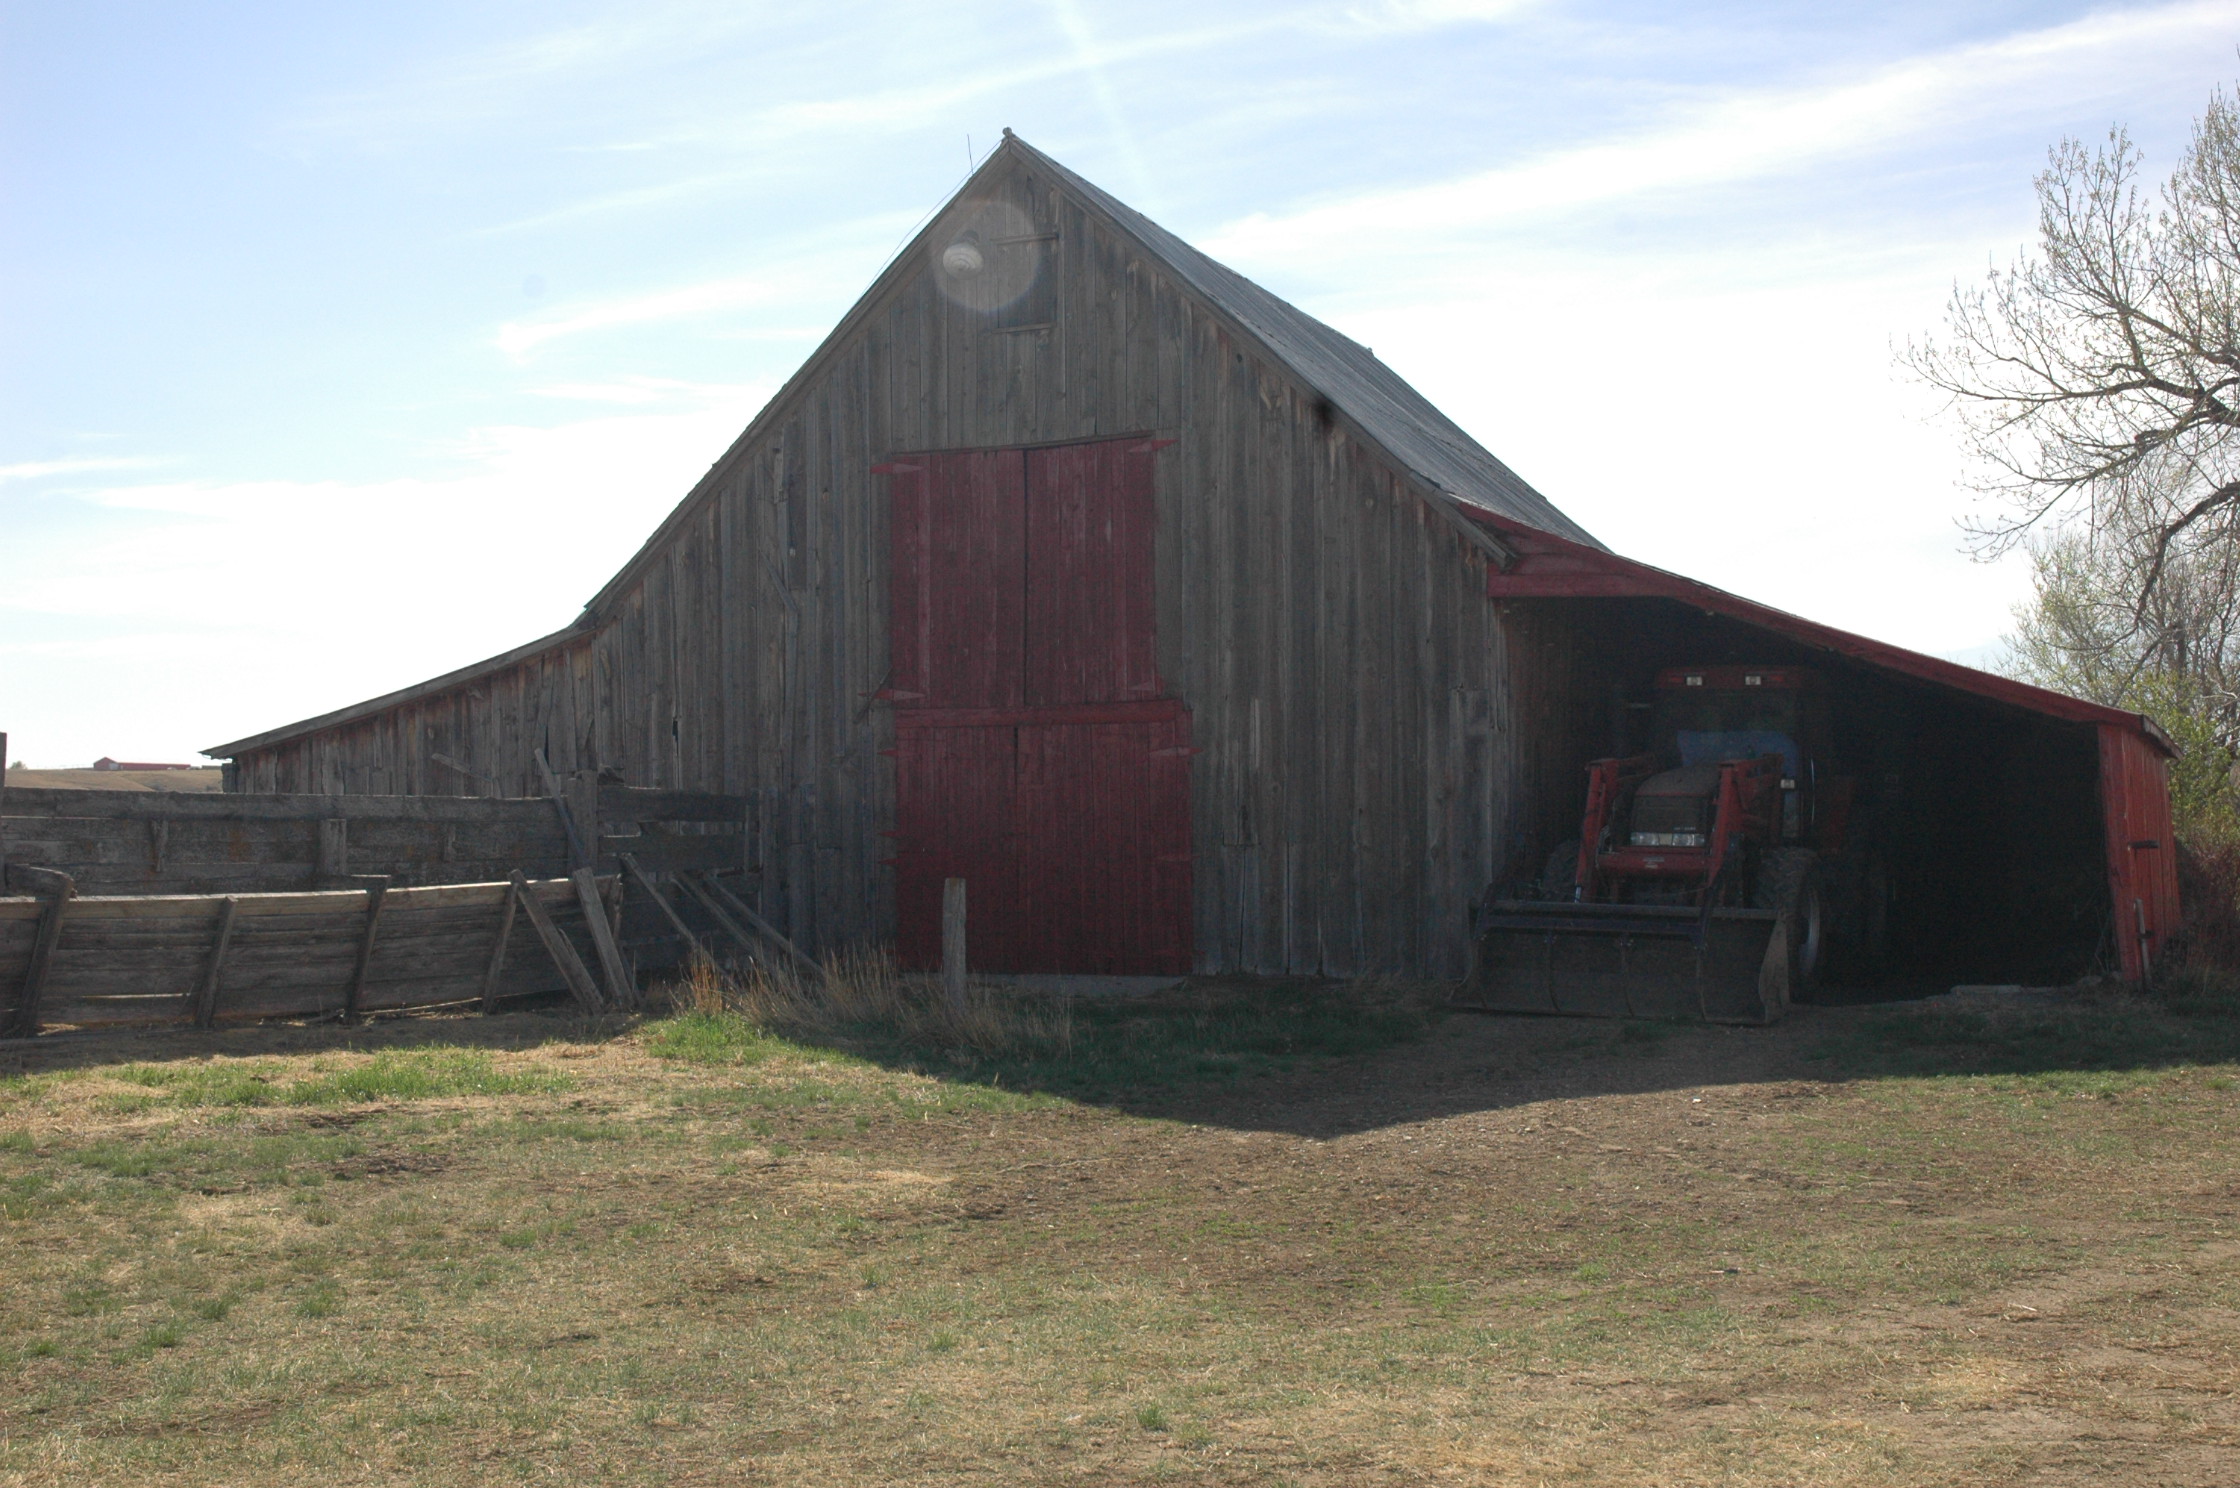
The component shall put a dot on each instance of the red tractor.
(1696, 884)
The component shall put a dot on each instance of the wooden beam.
(763, 927)
(692, 941)
(376, 895)
(498, 951)
(578, 855)
(721, 916)
(571, 967)
(621, 990)
(25, 1022)
(206, 991)
(3, 805)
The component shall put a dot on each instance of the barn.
(1076, 565)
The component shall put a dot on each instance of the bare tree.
(2098, 379)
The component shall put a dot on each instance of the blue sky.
(345, 344)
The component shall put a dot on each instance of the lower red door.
(1073, 838)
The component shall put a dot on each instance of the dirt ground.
(1517, 1252)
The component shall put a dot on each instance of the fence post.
(952, 942)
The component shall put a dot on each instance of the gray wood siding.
(1352, 690)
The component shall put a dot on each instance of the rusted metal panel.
(2142, 856)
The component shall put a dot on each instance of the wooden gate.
(1036, 756)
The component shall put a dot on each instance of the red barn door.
(1035, 756)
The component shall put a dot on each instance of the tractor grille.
(1668, 821)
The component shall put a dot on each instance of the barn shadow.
(1217, 1055)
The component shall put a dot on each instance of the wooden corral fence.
(142, 907)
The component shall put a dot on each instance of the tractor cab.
(1734, 771)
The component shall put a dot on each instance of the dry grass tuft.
(864, 993)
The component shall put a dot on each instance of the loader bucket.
(1631, 961)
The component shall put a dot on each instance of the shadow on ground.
(1323, 1060)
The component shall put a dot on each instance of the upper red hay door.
(1035, 755)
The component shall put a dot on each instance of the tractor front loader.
(1694, 889)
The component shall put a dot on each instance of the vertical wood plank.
(354, 995)
(498, 948)
(953, 959)
(206, 991)
(61, 890)
(621, 991)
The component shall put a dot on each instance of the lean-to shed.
(1080, 567)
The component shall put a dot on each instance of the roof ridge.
(1387, 408)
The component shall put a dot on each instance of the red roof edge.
(1550, 567)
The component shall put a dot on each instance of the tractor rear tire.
(1789, 885)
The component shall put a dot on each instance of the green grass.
(712, 1038)
(414, 1074)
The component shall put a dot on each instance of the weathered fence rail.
(144, 907)
(198, 958)
(142, 842)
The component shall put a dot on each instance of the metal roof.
(1550, 567)
(1377, 399)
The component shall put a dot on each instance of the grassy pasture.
(1242, 1234)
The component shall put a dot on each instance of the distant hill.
(209, 778)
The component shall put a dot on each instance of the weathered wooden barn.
(1078, 566)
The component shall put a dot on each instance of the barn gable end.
(1321, 610)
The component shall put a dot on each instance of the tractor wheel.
(1560, 879)
(1789, 885)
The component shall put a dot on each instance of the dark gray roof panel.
(1375, 397)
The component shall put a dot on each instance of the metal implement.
(1731, 965)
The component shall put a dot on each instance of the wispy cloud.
(41, 469)
(787, 284)
(233, 571)
(638, 391)
(1747, 135)
(1429, 15)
